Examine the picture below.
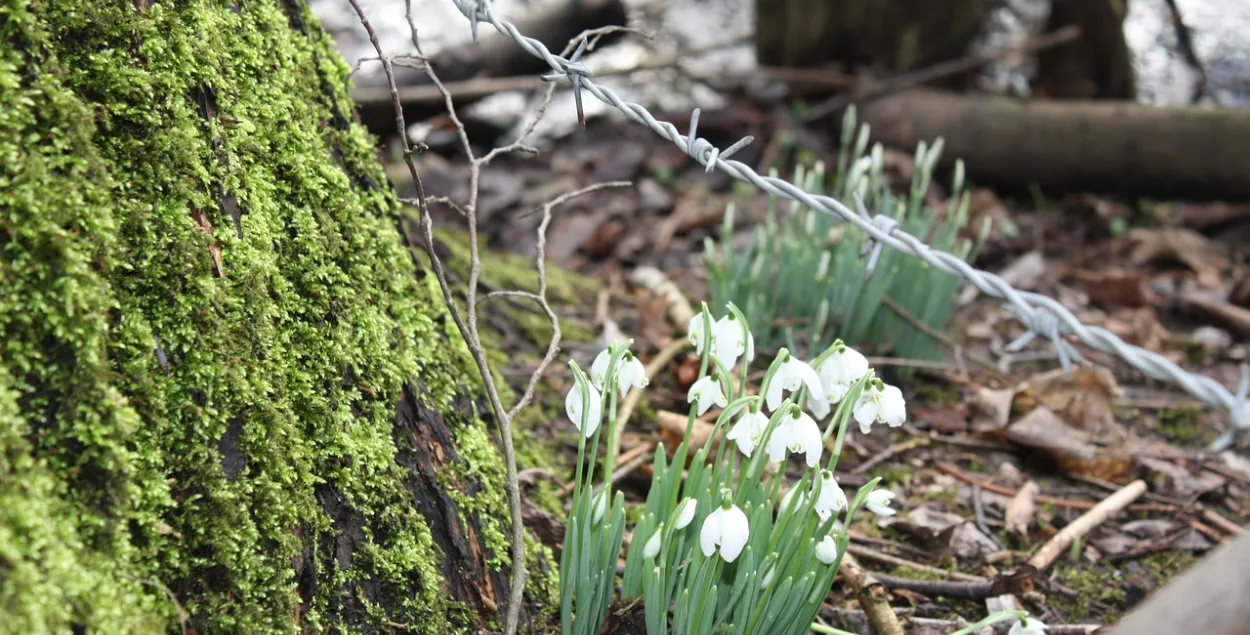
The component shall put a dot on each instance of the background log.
(1114, 147)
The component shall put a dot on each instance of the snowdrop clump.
(723, 550)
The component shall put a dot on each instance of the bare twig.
(885, 558)
(1087, 521)
(892, 451)
(872, 596)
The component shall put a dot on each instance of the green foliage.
(802, 282)
(224, 440)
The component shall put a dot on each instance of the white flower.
(706, 392)
(748, 430)
(652, 547)
(601, 505)
(698, 335)
(880, 404)
(827, 550)
(729, 343)
(819, 408)
(599, 369)
(840, 370)
(792, 374)
(630, 372)
(878, 501)
(584, 414)
(726, 528)
(685, 512)
(793, 498)
(831, 499)
(797, 433)
(1028, 626)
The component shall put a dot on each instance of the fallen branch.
(1110, 506)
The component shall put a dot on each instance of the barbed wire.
(1043, 316)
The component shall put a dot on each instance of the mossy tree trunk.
(228, 400)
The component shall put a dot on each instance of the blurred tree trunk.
(892, 35)
(228, 404)
(1119, 147)
(1097, 65)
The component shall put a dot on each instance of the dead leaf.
(1115, 287)
(1240, 295)
(947, 419)
(1200, 216)
(1178, 482)
(1205, 258)
(1234, 318)
(1070, 447)
(1020, 509)
(1082, 398)
(214, 250)
(673, 429)
(992, 408)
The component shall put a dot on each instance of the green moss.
(223, 435)
(1095, 583)
(1181, 425)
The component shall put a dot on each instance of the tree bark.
(1114, 147)
(1098, 65)
(897, 35)
(228, 403)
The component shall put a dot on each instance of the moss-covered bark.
(222, 387)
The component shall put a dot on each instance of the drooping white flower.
(797, 433)
(729, 342)
(698, 335)
(631, 375)
(748, 430)
(880, 403)
(819, 408)
(585, 416)
(599, 369)
(878, 502)
(600, 506)
(705, 392)
(685, 512)
(727, 528)
(652, 547)
(840, 370)
(827, 550)
(1028, 626)
(792, 374)
(831, 499)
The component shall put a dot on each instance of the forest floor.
(1001, 450)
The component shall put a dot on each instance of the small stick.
(1076, 529)
(1222, 522)
(945, 588)
(868, 553)
(1058, 502)
(872, 596)
(632, 454)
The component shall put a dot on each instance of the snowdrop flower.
(840, 370)
(797, 433)
(831, 499)
(827, 550)
(630, 372)
(582, 413)
(706, 392)
(790, 375)
(698, 335)
(726, 527)
(684, 512)
(600, 506)
(748, 430)
(1028, 626)
(652, 547)
(880, 404)
(878, 501)
(729, 343)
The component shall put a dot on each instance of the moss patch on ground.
(206, 321)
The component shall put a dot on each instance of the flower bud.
(652, 547)
(685, 513)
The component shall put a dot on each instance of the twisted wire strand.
(1045, 317)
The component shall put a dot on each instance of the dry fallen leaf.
(1082, 398)
(1205, 258)
(1020, 509)
(992, 408)
(1115, 287)
(1071, 448)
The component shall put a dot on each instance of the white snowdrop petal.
(599, 369)
(685, 512)
(735, 530)
(878, 502)
(709, 534)
(579, 412)
(652, 547)
(696, 333)
(1028, 626)
(827, 550)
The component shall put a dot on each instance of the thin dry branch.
(1076, 529)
